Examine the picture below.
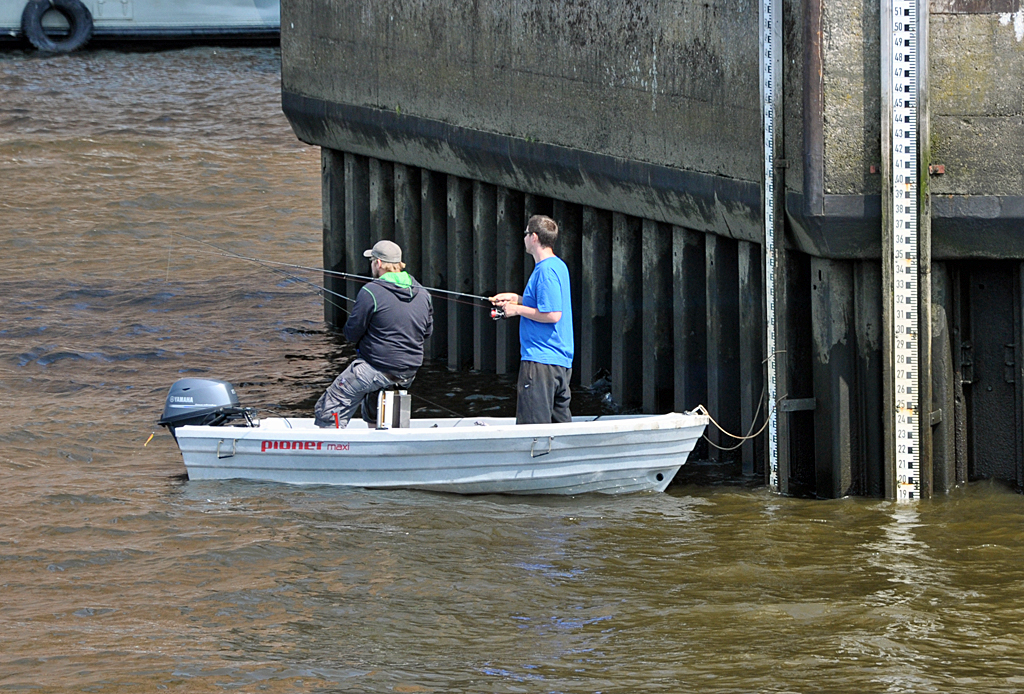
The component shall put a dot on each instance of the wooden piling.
(627, 311)
(867, 282)
(357, 221)
(460, 267)
(689, 319)
(753, 396)
(509, 255)
(332, 164)
(408, 219)
(595, 319)
(382, 200)
(656, 274)
(834, 375)
(722, 287)
(943, 391)
(485, 219)
(434, 219)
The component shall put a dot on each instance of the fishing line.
(321, 290)
(436, 404)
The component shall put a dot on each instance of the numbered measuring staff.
(769, 36)
(904, 215)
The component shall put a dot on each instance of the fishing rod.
(497, 313)
(333, 273)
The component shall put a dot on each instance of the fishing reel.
(498, 313)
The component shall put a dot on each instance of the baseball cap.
(388, 251)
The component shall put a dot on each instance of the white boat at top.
(476, 455)
(67, 25)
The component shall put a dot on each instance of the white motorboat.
(476, 455)
(67, 25)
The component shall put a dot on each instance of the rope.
(700, 409)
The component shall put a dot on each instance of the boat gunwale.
(620, 424)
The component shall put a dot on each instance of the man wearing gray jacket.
(391, 318)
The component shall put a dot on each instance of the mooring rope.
(700, 409)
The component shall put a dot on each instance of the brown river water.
(117, 574)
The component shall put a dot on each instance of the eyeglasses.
(528, 232)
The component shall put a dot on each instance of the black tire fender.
(79, 20)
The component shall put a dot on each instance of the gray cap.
(387, 251)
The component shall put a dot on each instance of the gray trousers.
(359, 383)
(543, 391)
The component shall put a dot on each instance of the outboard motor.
(200, 401)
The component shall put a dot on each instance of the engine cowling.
(201, 401)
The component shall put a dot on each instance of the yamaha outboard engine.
(200, 401)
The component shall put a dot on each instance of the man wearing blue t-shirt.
(545, 331)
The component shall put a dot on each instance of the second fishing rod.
(497, 313)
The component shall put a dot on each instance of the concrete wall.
(652, 108)
(977, 73)
(976, 99)
(648, 108)
(668, 83)
(976, 106)
(852, 100)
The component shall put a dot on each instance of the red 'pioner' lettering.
(291, 445)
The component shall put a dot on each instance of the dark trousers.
(543, 391)
(359, 383)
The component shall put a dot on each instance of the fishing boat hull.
(611, 455)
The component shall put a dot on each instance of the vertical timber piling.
(357, 219)
(656, 309)
(509, 272)
(723, 335)
(434, 251)
(332, 166)
(485, 221)
(460, 269)
(594, 347)
(627, 310)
